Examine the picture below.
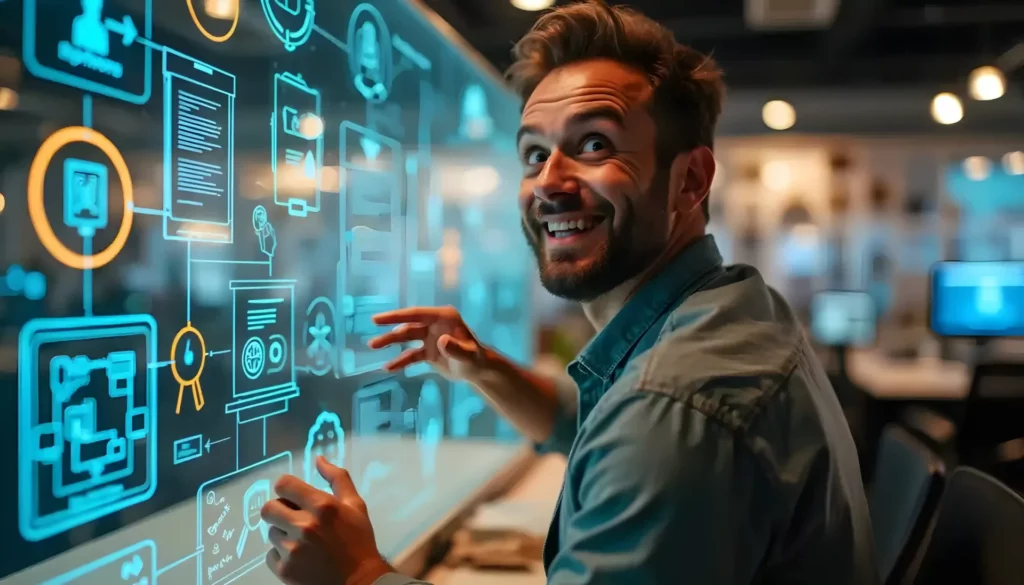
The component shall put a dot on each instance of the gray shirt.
(705, 445)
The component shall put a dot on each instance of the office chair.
(977, 535)
(907, 484)
(992, 415)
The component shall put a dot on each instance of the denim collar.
(607, 351)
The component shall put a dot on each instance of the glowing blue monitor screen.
(202, 206)
(978, 299)
(843, 318)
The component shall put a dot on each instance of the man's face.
(593, 202)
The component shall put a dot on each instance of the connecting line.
(212, 261)
(149, 43)
(147, 211)
(87, 276)
(237, 443)
(264, 436)
(87, 110)
(410, 53)
(333, 39)
(156, 365)
(213, 353)
(188, 283)
(163, 570)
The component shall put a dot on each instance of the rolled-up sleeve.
(564, 433)
(665, 495)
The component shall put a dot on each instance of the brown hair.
(688, 87)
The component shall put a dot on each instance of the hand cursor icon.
(190, 357)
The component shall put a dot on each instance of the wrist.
(368, 572)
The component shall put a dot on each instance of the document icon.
(199, 150)
(373, 237)
(297, 144)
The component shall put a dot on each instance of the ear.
(690, 178)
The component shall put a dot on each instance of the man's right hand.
(448, 344)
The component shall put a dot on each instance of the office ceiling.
(870, 42)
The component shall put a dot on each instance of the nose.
(555, 179)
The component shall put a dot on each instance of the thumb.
(453, 349)
(339, 479)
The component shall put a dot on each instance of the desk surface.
(918, 379)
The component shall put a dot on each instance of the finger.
(404, 333)
(406, 359)
(274, 561)
(279, 540)
(424, 315)
(299, 492)
(340, 480)
(278, 513)
(451, 348)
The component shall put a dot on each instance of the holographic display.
(166, 364)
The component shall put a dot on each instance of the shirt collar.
(609, 348)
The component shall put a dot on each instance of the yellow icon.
(227, 7)
(37, 210)
(189, 357)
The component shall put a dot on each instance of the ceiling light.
(977, 168)
(947, 109)
(778, 115)
(1013, 163)
(987, 83)
(311, 126)
(222, 9)
(3, 203)
(533, 5)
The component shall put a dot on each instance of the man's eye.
(536, 156)
(594, 144)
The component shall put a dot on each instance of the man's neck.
(603, 309)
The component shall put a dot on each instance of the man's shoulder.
(725, 351)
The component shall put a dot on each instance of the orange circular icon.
(193, 381)
(37, 210)
(208, 34)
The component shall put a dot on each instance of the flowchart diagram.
(88, 396)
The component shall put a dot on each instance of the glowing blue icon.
(378, 417)
(87, 420)
(264, 231)
(87, 30)
(262, 343)
(372, 242)
(326, 439)
(231, 534)
(132, 565)
(74, 47)
(85, 195)
(477, 123)
(370, 59)
(465, 405)
(319, 336)
(199, 150)
(429, 426)
(291, 21)
(188, 449)
(296, 149)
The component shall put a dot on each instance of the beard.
(583, 276)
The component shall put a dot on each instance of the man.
(704, 442)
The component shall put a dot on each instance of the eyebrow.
(602, 113)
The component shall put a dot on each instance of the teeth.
(564, 226)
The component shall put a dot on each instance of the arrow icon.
(125, 27)
(210, 443)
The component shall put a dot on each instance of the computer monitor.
(977, 299)
(843, 318)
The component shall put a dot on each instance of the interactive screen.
(978, 299)
(843, 318)
(202, 205)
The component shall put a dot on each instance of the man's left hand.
(320, 539)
